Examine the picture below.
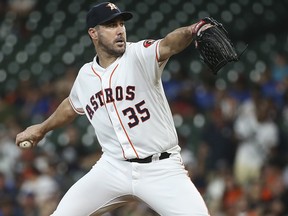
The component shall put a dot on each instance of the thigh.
(167, 188)
(102, 189)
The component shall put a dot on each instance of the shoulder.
(143, 47)
(148, 42)
(85, 67)
(142, 43)
(84, 71)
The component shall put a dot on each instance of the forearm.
(63, 115)
(176, 41)
(179, 39)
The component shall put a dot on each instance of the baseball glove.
(214, 45)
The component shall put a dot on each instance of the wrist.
(43, 129)
(197, 26)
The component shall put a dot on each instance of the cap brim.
(125, 15)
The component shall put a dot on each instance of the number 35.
(134, 114)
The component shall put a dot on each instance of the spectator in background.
(227, 103)
(232, 196)
(204, 94)
(29, 205)
(8, 192)
(271, 88)
(173, 84)
(215, 157)
(21, 7)
(258, 136)
(283, 125)
(218, 136)
(7, 207)
(35, 102)
(280, 66)
(274, 193)
(240, 90)
(8, 152)
(42, 187)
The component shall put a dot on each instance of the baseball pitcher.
(121, 93)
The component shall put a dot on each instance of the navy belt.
(149, 159)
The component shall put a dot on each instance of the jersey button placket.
(116, 121)
(120, 132)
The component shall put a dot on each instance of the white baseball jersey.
(126, 104)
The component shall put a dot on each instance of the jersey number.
(133, 114)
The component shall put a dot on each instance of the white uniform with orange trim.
(125, 103)
(127, 106)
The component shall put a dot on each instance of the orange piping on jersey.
(79, 111)
(105, 101)
(96, 73)
(130, 142)
(157, 57)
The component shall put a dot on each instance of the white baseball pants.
(164, 185)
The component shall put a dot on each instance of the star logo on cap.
(112, 6)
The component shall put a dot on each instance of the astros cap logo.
(105, 12)
(112, 6)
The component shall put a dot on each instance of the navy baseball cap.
(105, 12)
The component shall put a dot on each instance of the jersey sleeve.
(74, 99)
(148, 55)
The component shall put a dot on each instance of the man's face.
(112, 37)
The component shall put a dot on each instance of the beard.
(113, 48)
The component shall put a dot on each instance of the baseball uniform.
(127, 107)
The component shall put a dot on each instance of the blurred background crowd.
(232, 127)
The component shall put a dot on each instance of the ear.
(93, 33)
